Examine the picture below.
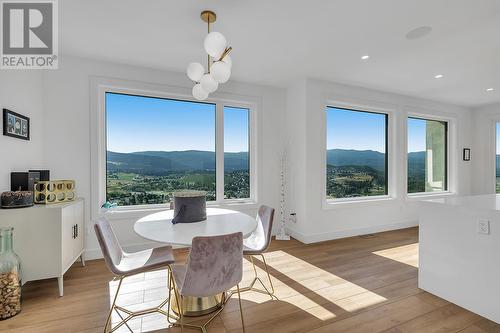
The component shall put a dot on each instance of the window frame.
(496, 121)
(101, 86)
(249, 139)
(448, 141)
(389, 112)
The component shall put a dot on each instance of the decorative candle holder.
(54, 191)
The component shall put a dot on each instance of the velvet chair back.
(215, 265)
(260, 239)
(110, 247)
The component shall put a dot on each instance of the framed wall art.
(16, 125)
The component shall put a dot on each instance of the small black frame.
(9, 128)
(466, 154)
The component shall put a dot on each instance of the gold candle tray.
(54, 191)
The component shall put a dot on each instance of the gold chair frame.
(132, 314)
(256, 278)
(179, 322)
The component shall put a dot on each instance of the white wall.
(67, 109)
(296, 141)
(295, 115)
(315, 221)
(21, 92)
(483, 152)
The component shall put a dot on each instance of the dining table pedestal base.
(194, 306)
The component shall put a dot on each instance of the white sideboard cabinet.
(47, 238)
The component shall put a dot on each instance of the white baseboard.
(320, 237)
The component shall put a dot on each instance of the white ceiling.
(279, 41)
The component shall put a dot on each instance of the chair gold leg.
(179, 305)
(268, 275)
(169, 286)
(241, 309)
(253, 264)
(108, 320)
(123, 322)
(180, 317)
(257, 278)
(131, 314)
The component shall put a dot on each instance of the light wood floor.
(359, 284)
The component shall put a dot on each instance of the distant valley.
(150, 177)
(163, 162)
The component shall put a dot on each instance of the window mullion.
(219, 152)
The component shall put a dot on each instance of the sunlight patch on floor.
(406, 254)
(139, 292)
(316, 289)
(299, 283)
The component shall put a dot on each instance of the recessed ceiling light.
(365, 57)
(418, 32)
(439, 76)
(490, 89)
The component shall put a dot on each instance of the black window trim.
(446, 162)
(386, 142)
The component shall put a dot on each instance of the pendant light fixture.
(218, 62)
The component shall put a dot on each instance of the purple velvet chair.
(256, 244)
(124, 264)
(214, 265)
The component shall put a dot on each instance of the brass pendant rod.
(225, 53)
(208, 56)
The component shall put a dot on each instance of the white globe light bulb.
(220, 71)
(215, 44)
(227, 59)
(199, 93)
(195, 71)
(208, 83)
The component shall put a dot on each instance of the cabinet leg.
(81, 259)
(60, 284)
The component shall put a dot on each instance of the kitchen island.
(459, 252)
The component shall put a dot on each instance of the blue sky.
(355, 130)
(235, 129)
(366, 131)
(416, 134)
(136, 123)
(498, 138)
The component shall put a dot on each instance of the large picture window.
(356, 156)
(155, 146)
(427, 155)
(236, 153)
(497, 158)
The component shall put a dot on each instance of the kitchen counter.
(459, 251)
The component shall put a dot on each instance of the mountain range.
(162, 162)
(373, 159)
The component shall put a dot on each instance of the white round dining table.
(158, 227)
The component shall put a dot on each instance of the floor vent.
(368, 236)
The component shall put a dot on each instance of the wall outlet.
(483, 227)
(293, 217)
